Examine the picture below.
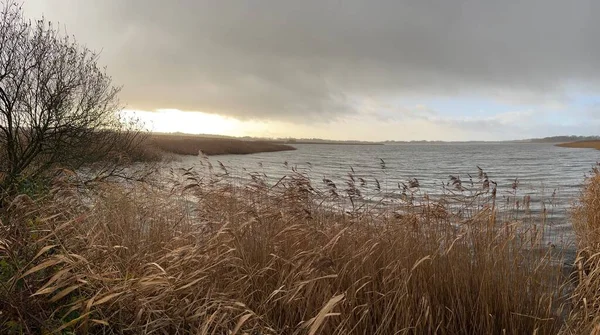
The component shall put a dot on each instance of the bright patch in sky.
(173, 120)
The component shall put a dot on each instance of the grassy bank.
(218, 258)
(191, 145)
(581, 144)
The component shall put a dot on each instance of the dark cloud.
(309, 60)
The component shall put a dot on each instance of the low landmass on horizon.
(193, 145)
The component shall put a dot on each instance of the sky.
(360, 70)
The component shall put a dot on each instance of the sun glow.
(174, 120)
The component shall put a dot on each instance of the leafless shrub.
(58, 108)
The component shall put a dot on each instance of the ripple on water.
(550, 175)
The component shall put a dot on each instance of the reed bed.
(595, 144)
(585, 315)
(214, 257)
(192, 145)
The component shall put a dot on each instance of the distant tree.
(58, 108)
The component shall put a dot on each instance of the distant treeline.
(557, 139)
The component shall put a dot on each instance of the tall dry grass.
(585, 315)
(594, 144)
(220, 258)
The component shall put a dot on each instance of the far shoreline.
(333, 143)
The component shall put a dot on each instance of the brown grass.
(191, 145)
(585, 317)
(581, 144)
(216, 258)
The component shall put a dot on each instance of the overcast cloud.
(315, 60)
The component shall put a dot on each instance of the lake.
(548, 174)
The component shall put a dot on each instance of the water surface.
(550, 175)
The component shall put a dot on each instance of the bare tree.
(57, 107)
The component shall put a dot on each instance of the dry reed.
(219, 258)
(585, 314)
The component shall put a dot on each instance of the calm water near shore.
(547, 173)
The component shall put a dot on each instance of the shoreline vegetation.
(594, 144)
(193, 144)
(217, 257)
